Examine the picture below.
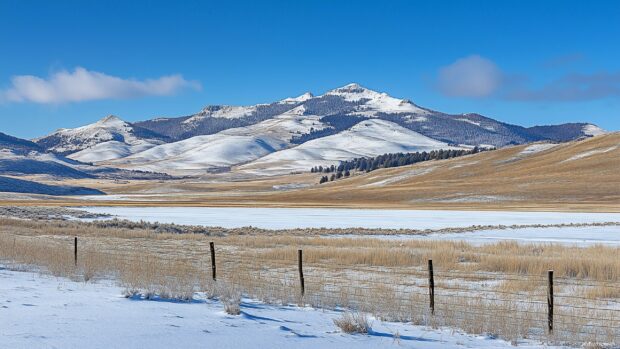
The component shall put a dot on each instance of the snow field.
(44, 312)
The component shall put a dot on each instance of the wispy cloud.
(478, 77)
(564, 60)
(471, 76)
(571, 87)
(85, 85)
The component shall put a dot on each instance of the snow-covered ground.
(592, 152)
(46, 312)
(537, 148)
(288, 218)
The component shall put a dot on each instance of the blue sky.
(68, 63)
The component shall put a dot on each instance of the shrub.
(353, 323)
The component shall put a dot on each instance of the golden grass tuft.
(351, 323)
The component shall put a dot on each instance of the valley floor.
(39, 311)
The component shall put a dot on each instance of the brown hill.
(576, 174)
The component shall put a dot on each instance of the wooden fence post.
(75, 250)
(212, 247)
(301, 271)
(550, 301)
(431, 286)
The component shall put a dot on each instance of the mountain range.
(290, 135)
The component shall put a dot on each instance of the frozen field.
(582, 236)
(45, 312)
(289, 218)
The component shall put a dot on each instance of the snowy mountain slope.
(20, 157)
(17, 145)
(112, 150)
(106, 139)
(217, 118)
(366, 139)
(201, 153)
(224, 149)
(23, 157)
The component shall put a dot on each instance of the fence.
(476, 302)
(512, 306)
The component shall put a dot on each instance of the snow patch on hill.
(537, 148)
(591, 153)
(399, 178)
(593, 130)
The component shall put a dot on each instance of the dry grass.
(230, 296)
(497, 289)
(350, 323)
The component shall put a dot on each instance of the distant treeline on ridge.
(386, 161)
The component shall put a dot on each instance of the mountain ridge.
(228, 136)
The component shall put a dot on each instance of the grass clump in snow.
(353, 323)
(231, 298)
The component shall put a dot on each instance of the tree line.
(344, 168)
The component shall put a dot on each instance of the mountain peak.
(353, 86)
(110, 119)
(350, 88)
(306, 96)
(354, 91)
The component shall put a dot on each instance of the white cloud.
(471, 76)
(84, 85)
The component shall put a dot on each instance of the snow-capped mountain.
(345, 105)
(106, 139)
(346, 122)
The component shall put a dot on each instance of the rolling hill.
(577, 173)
